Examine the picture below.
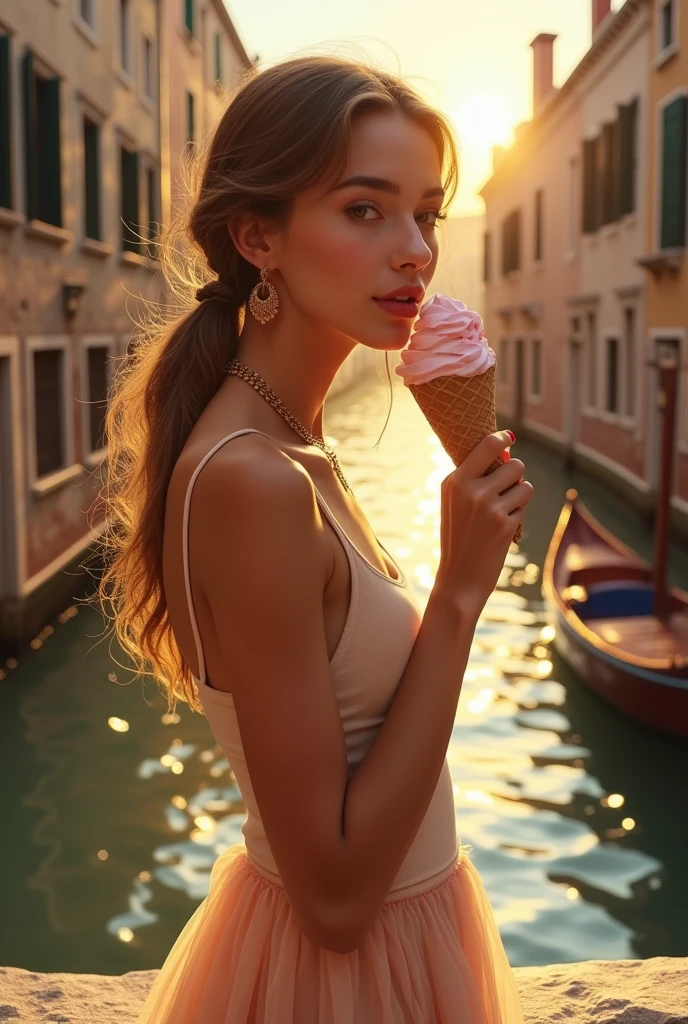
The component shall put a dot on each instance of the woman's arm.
(338, 843)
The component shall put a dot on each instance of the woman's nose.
(413, 249)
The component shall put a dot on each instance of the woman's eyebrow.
(383, 185)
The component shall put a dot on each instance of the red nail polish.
(511, 435)
(507, 454)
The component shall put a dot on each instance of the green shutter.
(30, 141)
(673, 221)
(218, 57)
(189, 15)
(628, 119)
(50, 187)
(91, 179)
(5, 124)
(589, 146)
(190, 116)
(130, 199)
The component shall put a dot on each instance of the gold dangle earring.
(263, 307)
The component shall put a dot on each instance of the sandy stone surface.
(651, 991)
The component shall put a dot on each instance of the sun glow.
(484, 120)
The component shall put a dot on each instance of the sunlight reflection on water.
(546, 837)
(519, 786)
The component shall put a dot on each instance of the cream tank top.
(379, 633)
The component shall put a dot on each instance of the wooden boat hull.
(633, 660)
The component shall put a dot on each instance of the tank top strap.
(185, 544)
(185, 537)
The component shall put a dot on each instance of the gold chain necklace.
(234, 367)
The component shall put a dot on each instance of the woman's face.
(345, 247)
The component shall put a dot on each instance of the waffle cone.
(461, 411)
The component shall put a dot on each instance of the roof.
(602, 41)
(223, 15)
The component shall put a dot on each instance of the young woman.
(246, 578)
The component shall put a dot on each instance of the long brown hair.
(282, 131)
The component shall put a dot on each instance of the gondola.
(601, 601)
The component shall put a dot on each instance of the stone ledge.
(653, 991)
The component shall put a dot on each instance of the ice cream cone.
(461, 411)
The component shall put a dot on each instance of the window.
(592, 358)
(218, 58)
(487, 256)
(87, 12)
(609, 170)
(673, 209)
(189, 15)
(666, 28)
(536, 368)
(42, 144)
(629, 337)
(537, 246)
(91, 179)
(124, 35)
(572, 222)
(628, 130)
(148, 68)
(612, 398)
(190, 116)
(5, 124)
(503, 367)
(152, 198)
(48, 376)
(98, 380)
(511, 242)
(129, 190)
(609, 165)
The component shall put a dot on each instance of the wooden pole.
(667, 364)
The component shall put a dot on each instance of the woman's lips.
(406, 310)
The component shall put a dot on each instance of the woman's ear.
(250, 236)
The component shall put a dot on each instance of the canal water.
(113, 813)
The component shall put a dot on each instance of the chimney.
(543, 68)
(600, 10)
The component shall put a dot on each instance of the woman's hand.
(479, 516)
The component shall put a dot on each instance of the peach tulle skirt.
(435, 957)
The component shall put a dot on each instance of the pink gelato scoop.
(447, 340)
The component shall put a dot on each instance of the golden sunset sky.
(472, 59)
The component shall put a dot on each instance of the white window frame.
(86, 108)
(14, 499)
(665, 53)
(532, 397)
(602, 381)
(70, 468)
(664, 102)
(93, 457)
(573, 210)
(126, 75)
(587, 407)
(537, 263)
(149, 99)
(91, 32)
(630, 420)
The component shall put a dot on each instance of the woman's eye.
(436, 214)
(358, 212)
(353, 210)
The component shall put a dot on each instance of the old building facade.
(92, 126)
(569, 293)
